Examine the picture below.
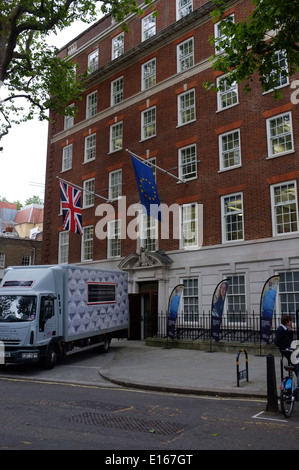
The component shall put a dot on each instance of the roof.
(31, 214)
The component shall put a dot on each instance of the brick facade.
(253, 177)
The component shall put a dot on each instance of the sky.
(23, 158)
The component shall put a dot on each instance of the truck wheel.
(106, 345)
(52, 357)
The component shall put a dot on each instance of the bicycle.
(289, 393)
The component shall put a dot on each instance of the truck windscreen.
(17, 308)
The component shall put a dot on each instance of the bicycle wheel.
(287, 400)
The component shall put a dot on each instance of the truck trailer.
(50, 311)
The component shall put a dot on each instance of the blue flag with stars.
(147, 188)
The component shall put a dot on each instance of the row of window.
(284, 205)
(148, 29)
(279, 131)
(236, 297)
(26, 260)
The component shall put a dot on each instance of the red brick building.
(238, 155)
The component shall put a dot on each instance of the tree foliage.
(250, 46)
(30, 71)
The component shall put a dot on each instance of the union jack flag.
(71, 208)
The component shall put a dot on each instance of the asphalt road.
(73, 408)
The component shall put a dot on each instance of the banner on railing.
(173, 308)
(267, 305)
(218, 300)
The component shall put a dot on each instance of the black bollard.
(272, 402)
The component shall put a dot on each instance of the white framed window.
(117, 91)
(227, 95)
(63, 248)
(236, 298)
(90, 148)
(26, 260)
(91, 104)
(219, 34)
(148, 123)
(232, 217)
(280, 135)
(189, 226)
(118, 45)
(284, 208)
(88, 193)
(148, 233)
(230, 150)
(185, 55)
(148, 26)
(289, 291)
(148, 74)
(114, 234)
(188, 162)
(87, 244)
(115, 185)
(116, 137)
(93, 61)
(186, 107)
(280, 63)
(67, 157)
(2, 260)
(69, 119)
(183, 8)
(190, 300)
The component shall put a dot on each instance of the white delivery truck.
(50, 311)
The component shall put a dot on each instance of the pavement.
(134, 364)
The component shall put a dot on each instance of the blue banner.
(267, 306)
(173, 308)
(218, 300)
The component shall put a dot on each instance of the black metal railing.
(239, 327)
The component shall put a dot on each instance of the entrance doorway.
(143, 308)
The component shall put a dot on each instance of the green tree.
(34, 200)
(30, 71)
(250, 46)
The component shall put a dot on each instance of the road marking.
(258, 416)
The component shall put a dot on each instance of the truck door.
(47, 325)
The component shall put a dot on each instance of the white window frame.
(188, 162)
(118, 46)
(231, 218)
(148, 123)
(67, 157)
(63, 248)
(284, 204)
(114, 238)
(90, 148)
(148, 26)
(116, 135)
(228, 139)
(148, 74)
(93, 61)
(115, 185)
(69, 120)
(183, 8)
(88, 193)
(218, 34)
(273, 137)
(87, 243)
(117, 91)
(283, 81)
(227, 95)
(2, 260)
(185, 59)
(148, 232)
(91, 104)
(184, 108)
(189, 226)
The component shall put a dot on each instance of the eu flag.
(147, 188)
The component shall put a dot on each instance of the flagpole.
(159, 168)
(86, 190)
